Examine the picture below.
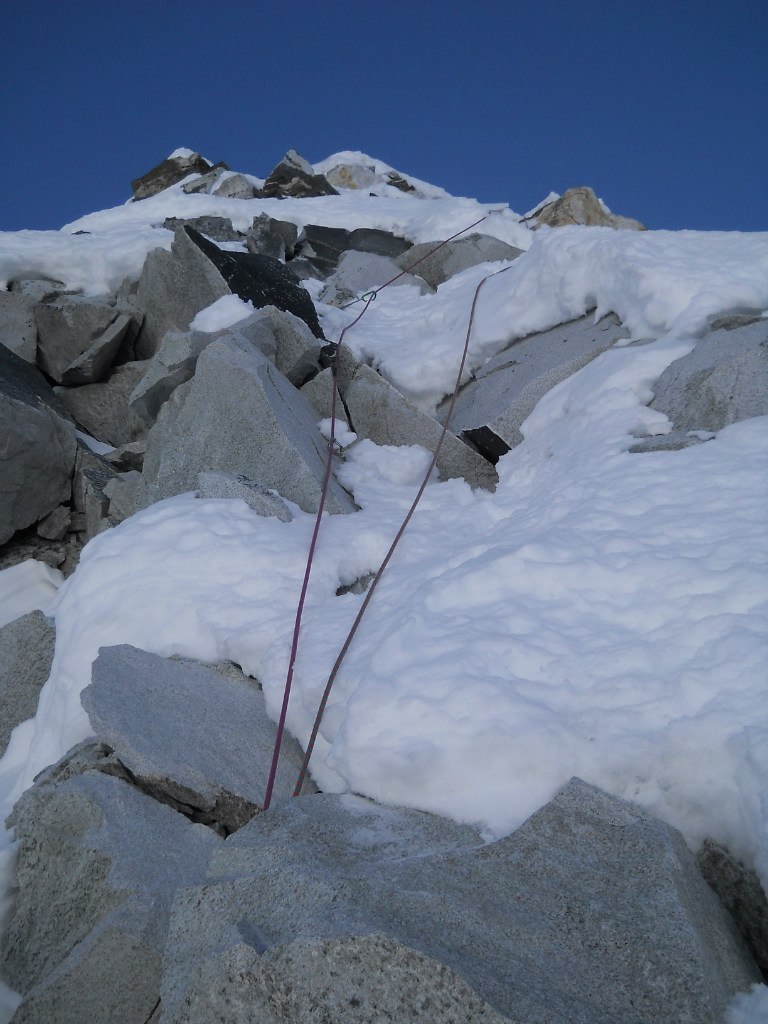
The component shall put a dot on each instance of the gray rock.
(454, 257)
(97, 866)
(234, 186)
(26, 653)
(260, 280)
(92, 475)
(294, 177)
(128, 456)
(190, 736)
(730, 321)
(174, 286)
(490, 409)
(167, 173)
(378, 411)
(359, 272)
(320, 394)
(94, 363)
(351, 176)
(378, 242)
(723, 380)
(126, 495)
(172, 364)
(103, 410)
(239, 414)
(283, 338)
(206, 182)
(231, 485)
(742, 895)
(269, 237)
(581, 206)
(38, 446)
(37, 289)
(18, 330)
(593, 912)
(56, 524)
(367, 978)
(218, 228)
(67, 327)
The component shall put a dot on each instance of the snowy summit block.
(191, 735)
(581, 206)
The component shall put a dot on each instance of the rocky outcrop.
(722, 381)
(436, 267)
(241, 415)
(18, 330)
(580, 206)
(169, 171)
(329, 898)
(38, 446)
(294, 177)
(490, 409)
(190, 737)
(26, 652)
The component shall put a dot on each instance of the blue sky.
(660, 107)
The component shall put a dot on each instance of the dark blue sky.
(659, 106)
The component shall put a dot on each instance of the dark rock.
(38, 446)
(260, 280)
(742, 895)
(218, 228)
(723, 380)
(322, 248)
(239, 414)
(437, 267)
(378, 411)
(382, 243)
(26, 653)
(18, 330)
(103, 410)
(269, 237)
(581, 206)
(490, 409)
(294, 177)
(592, 911)
(190, 737)
(399, 182)
(167, 173)
(128, 456)
(67, 328)
(91, 476)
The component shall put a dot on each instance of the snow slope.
(602, 614)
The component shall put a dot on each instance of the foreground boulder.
(190, 736)
(98, 865)
(38, 446)
(18, 330)
(78, 338)
(591, 911)
(490, 409)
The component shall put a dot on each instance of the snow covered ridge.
(582, 592)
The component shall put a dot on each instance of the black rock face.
(262, 280)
